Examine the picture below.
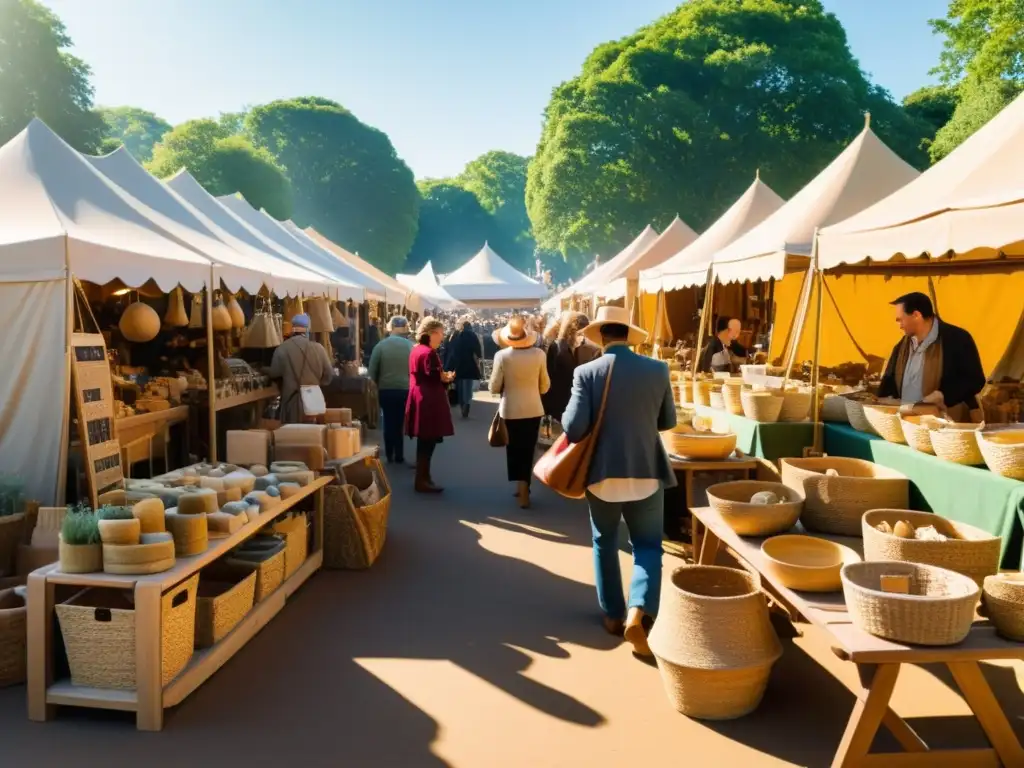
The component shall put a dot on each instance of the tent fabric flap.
(489, 278)
(425, 284)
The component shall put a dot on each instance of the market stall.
(767, 440)
(425, 284)
(487, 281)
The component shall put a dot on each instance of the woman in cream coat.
(520, 376)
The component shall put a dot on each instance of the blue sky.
(447, 79)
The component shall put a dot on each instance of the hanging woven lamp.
(139, 322)
(176, 317)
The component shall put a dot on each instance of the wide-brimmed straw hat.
(515, 334)
(614, 316)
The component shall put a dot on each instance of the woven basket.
(969, 550)
(11, 535)
(885, 421)
(731, 389)
(796, 405)
(732, 502)
(806, 563)
(98, 627)
(354, 536)
(939, 609)
(713, 642)
(13, 638)
(79, 558)
(716, 399)
(761, 406)
(220, 606)
(704, 446)
(833, 408)
(685, 392)
(1003, 599)
(855, 415)
(957, 443)
(296, 540)
(702, 391)
(1003, 458)
(269, 572)
(836, 504)
(917, 432)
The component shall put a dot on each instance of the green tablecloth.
(766, 441)
(969, 495)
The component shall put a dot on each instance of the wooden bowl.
(806, 563)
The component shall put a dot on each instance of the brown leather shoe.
(523, 494)
(636, 633)
(422, 483)
(612, 626)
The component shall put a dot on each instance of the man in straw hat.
(298, 363)
(389, 369)
(629, 470)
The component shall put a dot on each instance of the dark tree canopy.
(453, 226)
(39, 78)
(347, 179)
(934, 104)
(676, 118)
(224, 165)
(136, 128)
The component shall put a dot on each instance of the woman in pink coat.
(428, 416)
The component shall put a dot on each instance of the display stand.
(687, 467)
(771, 441)
(150, 698)
(878, 666)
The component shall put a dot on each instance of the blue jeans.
(644, 520)
(465, 389)
(392, 405)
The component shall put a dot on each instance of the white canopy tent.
(426, 285)
(689, 267)
(623, 280)
(863, 173)
(487, 280)
(308, 254)
(238, 265)
(240, 232)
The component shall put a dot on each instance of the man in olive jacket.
(935, 362)
(389, 369)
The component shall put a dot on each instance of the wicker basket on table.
(13, 638)
(957, 443)
(938, 610)
(855, 415)
(354, 533)
(702, 391)
(716, 399)
(706, 446)
(917, 431)
(796, 404)
(732, 501)
(835, 503)
(833, 408)
(731, 389)
(764, 406)
(1003, 449)
(1002, 598)
(967, 550)
(885, 421)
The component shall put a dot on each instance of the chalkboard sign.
(94, 402)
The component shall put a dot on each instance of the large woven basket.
(835, 504)
(713, 642)
(917, 431)
(731, 389)
(732, 502)
(13, 638)
(98, 627)
(1003, 599)
(761, 406)
(939, 609)
(855, 415)
(705, 446)
(354, 534)
(957, 443)
(269, 572)
(796, 405)
(885, 421)
(220, 606)
(1003, 450)
(968, 550)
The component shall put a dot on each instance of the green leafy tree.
(224, 164)
(675, 118)
(136, 128)
(347, 179)
(934, 104)
(39, 78)
(980, 101)
(453, 226)
(498, 179)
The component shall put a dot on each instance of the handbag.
(497, 433)
(311, 397)
(564, 466)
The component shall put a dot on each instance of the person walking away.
(428, 417)
(464, 361)
(389, 369)
(520, 376)
(935, 362)
(629, 470)
(567, 352)
(298, 363)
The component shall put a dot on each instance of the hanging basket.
(235, 313)
(176, 317)
(139, 323)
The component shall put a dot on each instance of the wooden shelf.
(244, 398)
(170, 416)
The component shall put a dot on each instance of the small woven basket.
(1003, 450)
(938, 610)
(716, 399)
(296, 538)
(1002, 596)
(968, 550)
(269, 572)
(98, 627)
(796, 405)
(13, 638)
(855, 415)
(833, 408)
(835, 504)
(957, 443)
(806, 563)
(732, 502)
(220, 606)
(885, 421)
(761, 406)
(699, 446)
(917, 432)
(702, 391)
(731, 389)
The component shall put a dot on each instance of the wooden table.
(741, 463)
(150, 698)
(878, 665)
(130, 428)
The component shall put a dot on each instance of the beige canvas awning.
(676, 236)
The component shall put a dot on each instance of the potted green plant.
(80, 548)
(12, 521)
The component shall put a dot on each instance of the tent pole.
(799, 319)
(69, 329)
(211, 379)
(815, 372)
(709, 296)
